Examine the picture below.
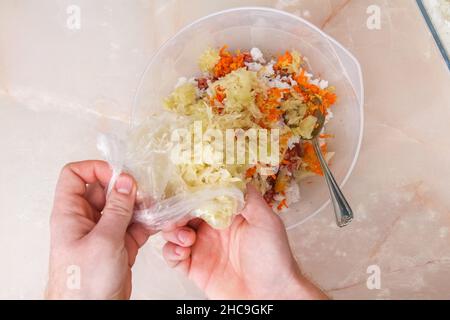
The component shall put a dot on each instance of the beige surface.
(58, 86)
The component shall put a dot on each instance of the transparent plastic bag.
(163, 198)
(200, 203)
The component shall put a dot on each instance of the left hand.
(93, 245)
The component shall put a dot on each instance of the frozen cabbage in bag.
(164, 197)
(215, 206)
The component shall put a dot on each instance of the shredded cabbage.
(182, 99)
(306, 127)
(208, 60)
(240, 88)
(217, 212)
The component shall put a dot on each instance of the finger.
(175, 224)
(256, 210)
(76, 175)
(183, 236)
(71, 188)
(139, 233)
(237, 221)
(195, 223)
(174, 254)
(183, 266)
(95, 195)
(118, 208)
(136, 237)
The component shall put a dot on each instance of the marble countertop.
(59, 86)
(439, 12)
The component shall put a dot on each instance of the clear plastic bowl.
(273, 32)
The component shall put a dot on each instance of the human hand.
(249, 260)
(91, 237)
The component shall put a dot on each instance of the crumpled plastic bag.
(163, 198)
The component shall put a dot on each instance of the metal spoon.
(341, 207)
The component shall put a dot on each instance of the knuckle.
(167, 250)
(67, 167)
(168, 235)
(66, 170)
(117, 207)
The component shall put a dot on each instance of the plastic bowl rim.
(315, 28)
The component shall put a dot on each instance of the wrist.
(303, 289)
(57, 290)
(295, 286)
(62, 285)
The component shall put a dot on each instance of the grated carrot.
(310, 158)
(268, 106)
(282, 204)
(220, 94)
(326, 136)
(228, 62)
(283, 61)
(250, 172)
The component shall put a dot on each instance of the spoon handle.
(341, 207)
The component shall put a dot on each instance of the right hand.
(249, 260)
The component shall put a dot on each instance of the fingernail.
(183, 236)
(179, 250)
(124, 184)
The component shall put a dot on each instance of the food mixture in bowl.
(245, 90)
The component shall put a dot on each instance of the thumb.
(256, 211)
(118, 209)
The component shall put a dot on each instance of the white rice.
(257, 55)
